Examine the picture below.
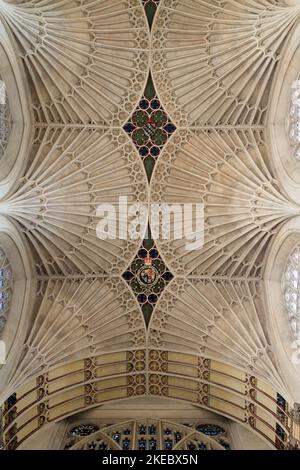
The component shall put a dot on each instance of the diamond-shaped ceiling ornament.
(149, 127)
(148, 276)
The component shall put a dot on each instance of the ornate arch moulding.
(284, 164)
(23, 295)
(211, 385)
(282, 340)
(14, 160)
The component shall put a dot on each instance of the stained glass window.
(11, 401)
(5, 289)
(195, 443)
(116, 437)
(281, 409)
(280, 437)
(291, 290)
(202, 446)
(142, 429)
(142, 444)
(83, 430)
(5, 121)
(152, 444)
(168, 444)
(126, 444)
(146, 435)
(211, 429)
(216, 432)
(294, 120)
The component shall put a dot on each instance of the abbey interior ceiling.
(164, 101)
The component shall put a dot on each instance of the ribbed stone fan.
(214, 60)
(87, 61)
(227, 171)
(73, 171)
(219, 319)
(77, 319)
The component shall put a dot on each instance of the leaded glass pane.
(5, 119)
(294, 120)
(291, 291)
(147, 435)
(5, 289)
(211, 429)
(83, 430)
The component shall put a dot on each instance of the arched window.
(294, 120)
(5, 118)
(291, 288)
(5, 289)
(144, 435)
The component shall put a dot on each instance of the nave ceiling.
(85, 65)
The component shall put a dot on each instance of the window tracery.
(5, 121)
(294, 120)
(146, 435)
(5, 289)
(291, 290)
(212, 430)
(83, 430)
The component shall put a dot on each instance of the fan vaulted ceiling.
(210, 67)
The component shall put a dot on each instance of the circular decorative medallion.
(148, 276)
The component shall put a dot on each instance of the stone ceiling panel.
(87, 62)
(223, 320)
(213, 61)
(72, 172)
(76, 319)
(228, 172)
